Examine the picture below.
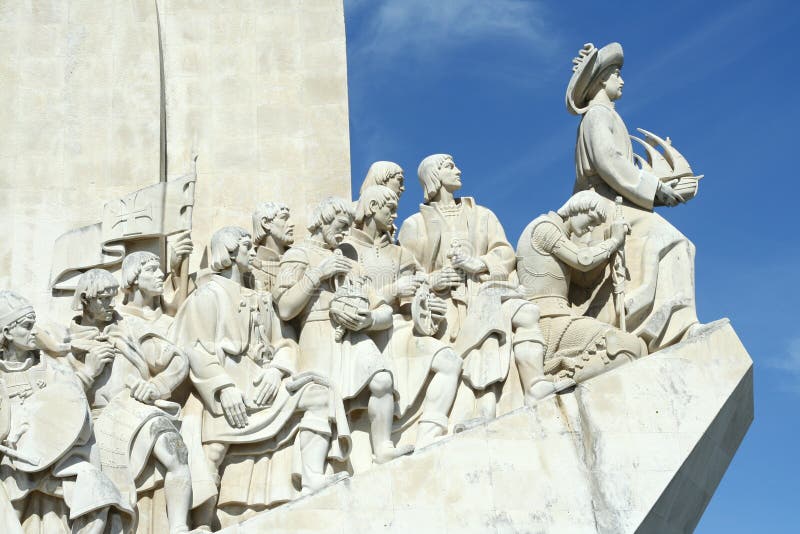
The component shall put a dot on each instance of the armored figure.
(660, 305)
(47, 481)
(253, 401)
(577, 346)
(395, 276)
(128, 386)
(312, 287)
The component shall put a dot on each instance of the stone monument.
(219, 372)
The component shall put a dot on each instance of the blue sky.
(484, 80)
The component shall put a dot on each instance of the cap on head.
(590, 63)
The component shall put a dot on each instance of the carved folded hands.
(267, 386)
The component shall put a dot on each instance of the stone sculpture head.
(583, 212)
(385, 173)
(595, 74)
(438, 171)
(16, 324)
(273, 219)
(142, 271)
(379, 204)
(231, 246)
(94, 296)
(331, 221)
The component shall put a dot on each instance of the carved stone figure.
(464, 249)
(136, 428)
(45, 429)
(385, 173)
(307, 293)
(273, 233)
(253, 401)
(422, 365)
(660, 303)
(577, 346)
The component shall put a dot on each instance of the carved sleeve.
(196, 330)
(295, 285)
(611, 162)
(499, 258)
(412, 239)
(583, 258)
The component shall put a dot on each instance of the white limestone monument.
(202, 331)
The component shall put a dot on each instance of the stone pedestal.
(639, 449)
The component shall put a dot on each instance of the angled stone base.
(641, 448)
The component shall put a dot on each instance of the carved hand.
(444, 279)
(469, 264)
(268, 385)
(233, 407)
(619, 229)
(437, 306)
(333, 265)
(144, 391)
(356, 321)
(97, 358)
(666, 196)
(181, 248)
(406, 286)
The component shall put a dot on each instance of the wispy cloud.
(424, 29)
(790, 364)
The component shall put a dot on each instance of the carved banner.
(159, 210)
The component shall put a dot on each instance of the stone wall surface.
(639, 449)
(257, 89)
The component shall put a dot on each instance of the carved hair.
(266, 210)
(380, 173)
(327, 210)
(90, 284)
(224, 246)
(372, 199)
(132, 267)
(13, 308)
(428, 174)
(583, 202)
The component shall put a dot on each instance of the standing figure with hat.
(660, 305)
(46, 476)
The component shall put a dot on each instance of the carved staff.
(619, 272)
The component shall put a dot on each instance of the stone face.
(640, 448)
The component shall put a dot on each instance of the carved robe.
(411, 354)
(232, 334)
(350, 363)
(478, 320)
(69, 492)
(659, 257)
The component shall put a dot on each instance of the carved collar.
(363, 238)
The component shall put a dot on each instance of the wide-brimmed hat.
(586, 68)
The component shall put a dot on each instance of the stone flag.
(156, 211)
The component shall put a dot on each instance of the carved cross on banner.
(126, 214)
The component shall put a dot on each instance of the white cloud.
(790, 365)
(423, 29)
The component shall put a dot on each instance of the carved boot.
(387, 451)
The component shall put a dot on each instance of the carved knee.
(171, 451)
(526, 317)
(447, 362)
(381, 384)
(315, 397)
